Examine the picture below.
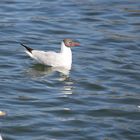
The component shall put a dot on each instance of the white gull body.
(0, 137)
(63, 59)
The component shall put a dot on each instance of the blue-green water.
(101, 98)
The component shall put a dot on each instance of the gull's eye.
(70, 43)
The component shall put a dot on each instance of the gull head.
(70, 43)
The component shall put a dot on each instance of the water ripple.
(100, 98)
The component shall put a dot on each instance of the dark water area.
(101, 98)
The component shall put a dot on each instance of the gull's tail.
(28, 50)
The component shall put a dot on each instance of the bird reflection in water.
(67, 89)
(41, 71)
(38, 70)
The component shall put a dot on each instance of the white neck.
(64, 49)
(67, 53)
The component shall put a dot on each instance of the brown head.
(70, 43)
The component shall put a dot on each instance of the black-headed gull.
(0, 137)
(63, 59)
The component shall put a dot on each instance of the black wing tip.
(29, 49)
(22, 44)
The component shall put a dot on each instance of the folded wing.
(49, 58)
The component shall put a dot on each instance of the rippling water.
(101, 98)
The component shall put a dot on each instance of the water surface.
(100, 100)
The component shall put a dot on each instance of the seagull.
(0, 137)
(62, 59)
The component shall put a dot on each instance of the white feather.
(0, 137)
(50, 58)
